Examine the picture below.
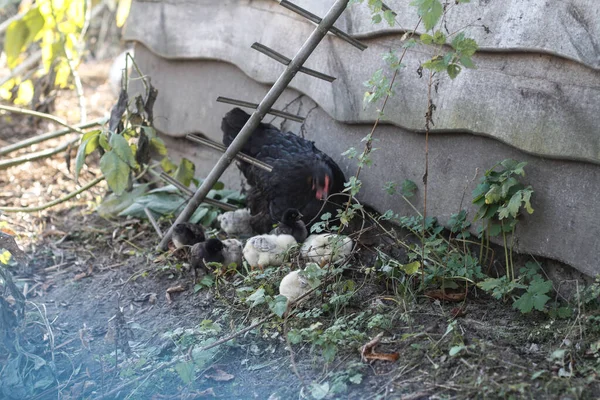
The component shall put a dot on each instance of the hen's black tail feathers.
(232, 123)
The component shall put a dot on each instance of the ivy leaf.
(121, 148)
(376, 18)
(116, 172)
(408, 188)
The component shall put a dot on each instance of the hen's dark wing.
(289, 185)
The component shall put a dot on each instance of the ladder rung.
(272, 111)
(312, 17)
(189, 192)
(240, 156)
(285, 61)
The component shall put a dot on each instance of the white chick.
(326, 247)
(232, 252)
(293, 285)
(236, 223)
(267, 250)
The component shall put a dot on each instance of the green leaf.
(493, 195)
(294, 336)
(453, 70)
(390, 17)
(526, 197)
(103, 141)
(464, 46)
(494, 229)
(430, 11)
(319, 391)
(540, 286)
(256, 298)
(116, 172)
(411, 268)
(121, 148)
(454, 350)
(467, 61)
(185, 171)
(426, 38)
(524, 303)
(157, 145)
(278, 305)
(185, 370)
(356, 379)
(112, 204)
(167, 165)
(408, 188)
(376, 18)
(439, 37)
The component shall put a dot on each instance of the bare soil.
(100, 323)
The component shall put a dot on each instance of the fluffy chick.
(187, 234)
(232, 252)
(236, 223)
(267, 250)
(205, 252)
(326, 247)
(292, 224)
(293, 285)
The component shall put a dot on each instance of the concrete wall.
(531, 99)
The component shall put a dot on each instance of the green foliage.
(535, 286)
(430, 11)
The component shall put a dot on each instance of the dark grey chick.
(187, 234)
(205, 252)
(292, 224)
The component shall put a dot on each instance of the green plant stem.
(47, 136)
(55, 202)
(50, 117)
(37, 155)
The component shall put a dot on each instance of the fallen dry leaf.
(367, 352)
(219, 375)
(439, 294)
(8, 231)
(458, 312)
(178, 288)
(383, 356)
(80, 276)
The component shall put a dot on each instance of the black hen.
(292, 224)
(302, 177)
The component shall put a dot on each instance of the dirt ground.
(107, 318)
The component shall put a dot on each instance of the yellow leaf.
(16, 37)
(5, 257)
(63, 72)
(123, 12)
(6, 89)
(25, 93)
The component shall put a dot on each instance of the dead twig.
(55, 202)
